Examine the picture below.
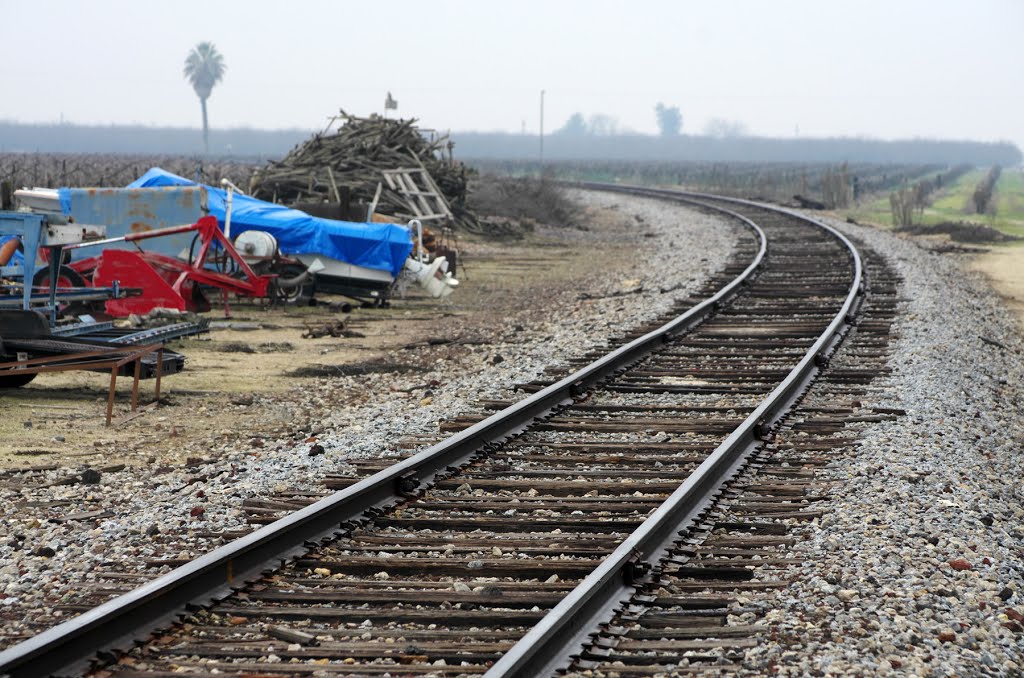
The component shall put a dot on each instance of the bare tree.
(902, 204)
(724, 129)
(836, 190)
(603, 125)
(204, 68)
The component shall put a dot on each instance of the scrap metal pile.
(355, 158)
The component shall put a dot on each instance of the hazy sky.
(880, 68)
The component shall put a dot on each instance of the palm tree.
(204, 68)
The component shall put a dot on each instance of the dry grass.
(959, 231)
(525, 199)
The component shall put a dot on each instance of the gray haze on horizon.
(905, 69)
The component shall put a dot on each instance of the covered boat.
(360, 260)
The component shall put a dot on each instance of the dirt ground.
(59, 418)
(1001, 264)
(1004, 268)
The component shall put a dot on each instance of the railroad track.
(617, 520)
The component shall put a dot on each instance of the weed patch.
(524, 199)
(959, 231)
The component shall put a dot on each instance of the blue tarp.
(129, 211)
(383, 247)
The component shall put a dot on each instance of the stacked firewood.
(350, 160)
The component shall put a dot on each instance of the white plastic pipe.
(231, 188)
(418, 225)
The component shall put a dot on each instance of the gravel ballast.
(917, 566)
(170, 512)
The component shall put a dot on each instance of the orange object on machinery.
(8, 249)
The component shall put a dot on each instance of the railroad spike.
(635, 570)
(407, 484)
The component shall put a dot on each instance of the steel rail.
(563, 632)
(70, 647)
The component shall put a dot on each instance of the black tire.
(15, 380)
(300, 295)
(66, 277)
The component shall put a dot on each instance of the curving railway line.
(620, 520)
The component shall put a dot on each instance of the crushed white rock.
(171, 514)
(917, 567)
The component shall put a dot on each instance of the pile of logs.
(349, 161)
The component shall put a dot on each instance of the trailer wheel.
(15, 380)
(300, 295)
(66, 277)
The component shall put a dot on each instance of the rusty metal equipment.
(27, 333)
(39, 237)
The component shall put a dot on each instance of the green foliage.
(576, 125)
(953, 202)
(670, 120)
(204, 68)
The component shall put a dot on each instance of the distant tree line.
(833, 185)
(604, 145)
(669, 119)
(692, 148)
(136, 139)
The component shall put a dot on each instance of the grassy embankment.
(953, 203)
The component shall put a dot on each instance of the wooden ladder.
(424, 198)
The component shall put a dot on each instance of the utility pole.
(542, 133)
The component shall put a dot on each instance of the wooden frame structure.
(426, 202)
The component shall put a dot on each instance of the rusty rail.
(550, 644)
(68, 648)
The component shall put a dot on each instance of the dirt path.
(1004, 269)
(1001, 264)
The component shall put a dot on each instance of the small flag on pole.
(390, 103)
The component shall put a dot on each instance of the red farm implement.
(168, 282)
